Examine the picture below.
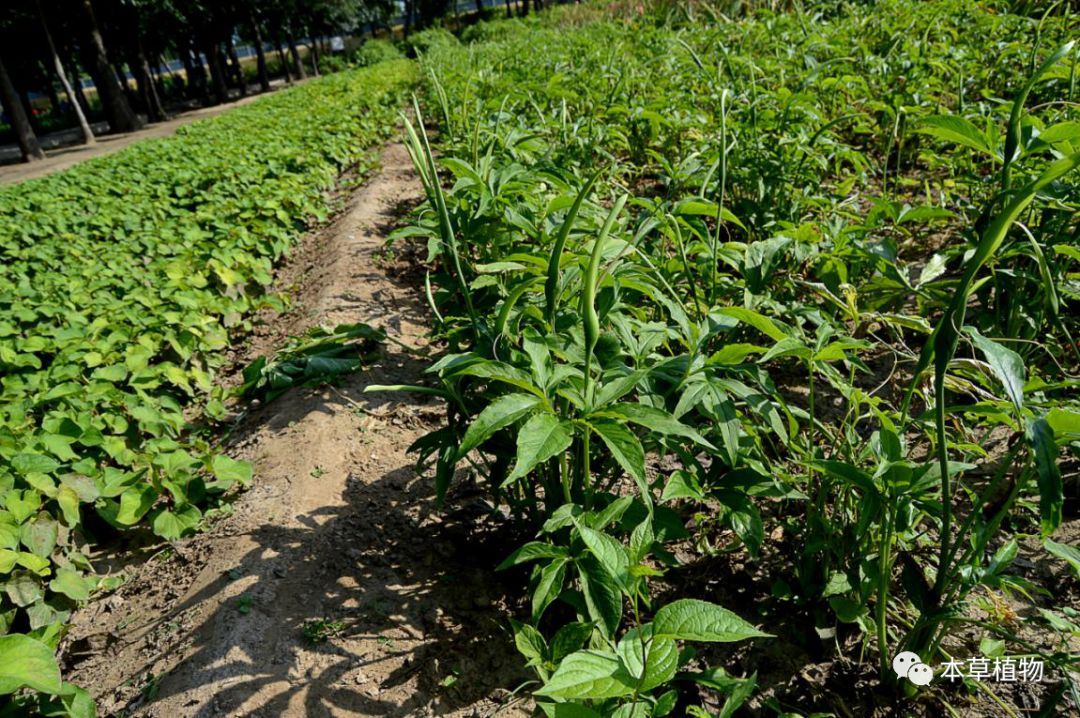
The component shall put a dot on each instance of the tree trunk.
(509, 12)
(58, 67)
(144, 84)
(260, 55)
(300, 71)
(237, 69)
(80, 94)
(217, 72)
(117, 109)
(194, 73)
(282, 59)
(24, 133)
(313, 55)
(159, 81)
(153, 101)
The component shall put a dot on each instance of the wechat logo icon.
(909, 665)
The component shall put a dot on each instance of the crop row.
(122, 282)
(788, 275)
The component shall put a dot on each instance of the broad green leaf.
(172, 525)
(62, 390)
(735, 353)
(176, 463)
(608, 551)
(617, 388)
(572, 710)
(569, 638)
(727, 421)
(682, 485)
(739, 695)
(1061, 132)
(788, 346)
(1063, 421)
(25, 662)
(69, 505)
(548, 586)
(847, 609)
(637, 709)
(499, 414)
(958, 130)
(22, 504)
(1007, 366)
(1051, 493)
(608, 515)
(837, 584)
(603, 598)
(705, 208)
(1067, 553)
(850, 474)
(135, 502)
(24, 588)
(656, 420)
(627, 450)
(690, 619)
(934, 268)
(229, 471)
(502, 372)
(40, 535)
(34, 464)
(587, 675)
(532, 551)
(78, 702)
(42, 566)
(758, 321)
(71, 584)
(529, 643)
(649, 660)
(540, 438)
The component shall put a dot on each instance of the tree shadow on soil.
(371, 583)
(380, 605)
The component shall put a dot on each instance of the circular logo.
(920, 674)
(903, 662)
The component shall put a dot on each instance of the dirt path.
(337, 538)
(68, 156)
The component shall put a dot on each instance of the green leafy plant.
(316, 358)
(122, 281)
(682, 272)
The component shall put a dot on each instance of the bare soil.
(333, 587)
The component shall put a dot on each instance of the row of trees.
(46, 46)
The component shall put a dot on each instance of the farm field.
(67, 157)
(621, 360)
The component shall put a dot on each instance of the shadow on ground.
(380, 605)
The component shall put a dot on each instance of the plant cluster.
(375, 51)
(792, 274)
(317, 358)
(121, 282)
